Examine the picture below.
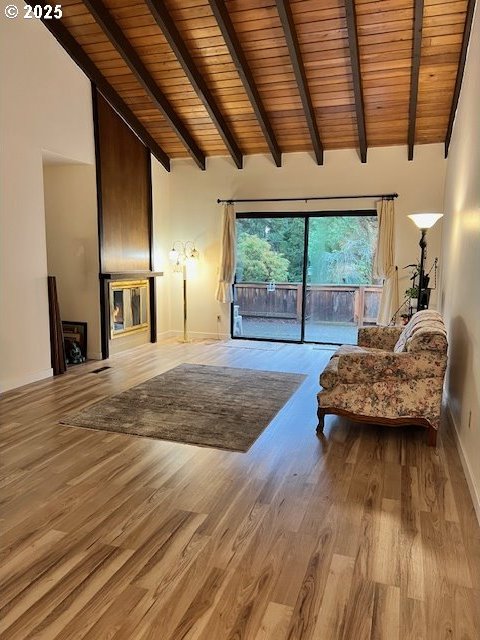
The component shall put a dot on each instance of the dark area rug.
(218, 407)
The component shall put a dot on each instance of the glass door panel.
(341, 294)
(268, 291)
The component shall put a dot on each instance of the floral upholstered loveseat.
(394, 376)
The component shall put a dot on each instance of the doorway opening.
(70, 198)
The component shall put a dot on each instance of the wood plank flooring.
(365, 533)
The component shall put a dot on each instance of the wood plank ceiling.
(237, 77)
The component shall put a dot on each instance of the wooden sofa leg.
(321, 420)
(432, 437)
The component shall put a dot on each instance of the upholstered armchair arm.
(379, 337)
(370, 367)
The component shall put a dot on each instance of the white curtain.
(384, 264)
(228, 259)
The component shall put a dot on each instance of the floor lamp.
(423, 221)
(181, 255)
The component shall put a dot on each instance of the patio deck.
(280, 329)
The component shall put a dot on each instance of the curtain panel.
(224, 291)
(384, 263)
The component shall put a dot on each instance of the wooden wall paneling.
(125, 195)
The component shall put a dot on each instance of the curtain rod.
(386, 196)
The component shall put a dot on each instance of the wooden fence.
(355, 304)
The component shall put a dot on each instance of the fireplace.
(128, 303)
(129, 306)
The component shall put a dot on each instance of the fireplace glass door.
(128, 307)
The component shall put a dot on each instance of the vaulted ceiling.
(202, 78)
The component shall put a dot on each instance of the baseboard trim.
(196, 335)
(163, 335)
(466, 467)
(15, 383)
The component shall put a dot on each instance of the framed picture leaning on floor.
(75, 339)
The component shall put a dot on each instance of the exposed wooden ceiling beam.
(461, 68)
(224, 21)
(128, 53)
(415, 73)
(75, 51)
(171, 33)
(357, 77)
(285, 13)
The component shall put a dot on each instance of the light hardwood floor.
(364, 533)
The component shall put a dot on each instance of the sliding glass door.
(305, 277)
(269, 278)
(340, 290)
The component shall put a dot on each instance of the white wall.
(72, 245)
(461, 266)
(45, 103)
(162, 244)
(187, 197)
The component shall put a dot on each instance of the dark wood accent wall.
(125, 218)
(124, 184)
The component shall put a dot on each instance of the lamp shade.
(173, 255)
(425, 220)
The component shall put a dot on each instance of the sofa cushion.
(424, 332)
(358, 368)
(329, 376)
(379, 337)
